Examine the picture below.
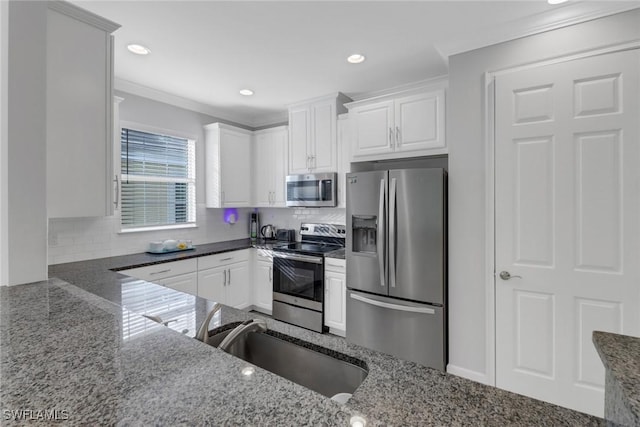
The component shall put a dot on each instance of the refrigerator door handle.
(392, 233)
(422, 310)
(381, 233)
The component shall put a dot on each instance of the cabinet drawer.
(334, 264)
(160, 271)
(226, 258)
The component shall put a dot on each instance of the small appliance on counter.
(286, 235)
(268, 232)
(254, 225)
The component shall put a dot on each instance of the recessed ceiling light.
(556, 1)
(246, 92)
(138, 49)
(356, 58)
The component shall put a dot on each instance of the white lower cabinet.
(226, 278)
(335, 288)
(263, 282)
(184, 283)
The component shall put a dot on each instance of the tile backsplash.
(293, 217)
(77, 239)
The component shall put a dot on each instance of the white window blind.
(158, 180)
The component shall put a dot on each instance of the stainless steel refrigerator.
(396, 263)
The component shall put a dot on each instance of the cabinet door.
(299, 140)
(263, 179)
(419, 121)
(323, 140)
(372, 129)
(235, 164)
(239, 285)
(79, 117)
(280, 149)
(263, 281)
(335, 307)
(211, 284)
(184, 283)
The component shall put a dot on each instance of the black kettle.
(268, 231)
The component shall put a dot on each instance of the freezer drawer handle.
(410, 309)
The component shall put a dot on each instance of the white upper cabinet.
(270, 154)
(312, 134)
(227, 166)
(79, 112)
(401, 125)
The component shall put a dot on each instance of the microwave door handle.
(381, 233)
(320, 189)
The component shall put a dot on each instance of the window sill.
(157, 228)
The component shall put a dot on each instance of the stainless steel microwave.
(312, 189)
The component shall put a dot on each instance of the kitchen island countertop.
(74, 344)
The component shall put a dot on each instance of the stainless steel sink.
(317, 368)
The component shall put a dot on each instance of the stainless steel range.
(298, 270)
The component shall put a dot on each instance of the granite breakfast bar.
(69, 345)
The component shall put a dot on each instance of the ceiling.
(204, 52)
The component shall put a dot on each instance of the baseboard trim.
(476, 376)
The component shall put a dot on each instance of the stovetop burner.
(317, 239)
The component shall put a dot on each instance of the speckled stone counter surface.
(73, 344)
(620, 355)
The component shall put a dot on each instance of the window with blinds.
(158, 180)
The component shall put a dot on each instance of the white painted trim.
(490, 298)
(177, 101)
(489, 136)
(440, 82)
(83, 15)
(568, 14)
(468, 374)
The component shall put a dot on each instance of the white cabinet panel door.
(335, 304)
(185, 283)
(212, 283)
(263, 282)
(419, 121)
(567, 159)
(235, 157)
(263, 158)
(299, 140)
(323, 153)
(372, 132)
(239, 285)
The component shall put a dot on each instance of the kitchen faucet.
(254, 325)
(203, 330)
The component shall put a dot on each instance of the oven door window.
(297, 278)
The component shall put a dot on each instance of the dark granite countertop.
(78, 344)
(620, 355)
(338, 254)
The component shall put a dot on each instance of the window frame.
(192, 139)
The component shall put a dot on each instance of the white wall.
(75, 239)
(468, 337)
(23, 210)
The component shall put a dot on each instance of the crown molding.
(83, 15)
(426, 84)
(562, 16)
(179, 101)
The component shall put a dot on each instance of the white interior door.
(567, 180)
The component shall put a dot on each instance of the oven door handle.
(303, 258)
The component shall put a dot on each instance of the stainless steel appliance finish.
(317, 371)
(298, 275)
(268, 231)
(396, 261)
(312, 190)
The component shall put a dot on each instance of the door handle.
(229, 276)
(505, 275)
(397, 135)
(381, 232)
(392, 232)
(270, 274)
(225, 278)
(390, 136)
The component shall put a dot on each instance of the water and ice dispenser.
(365, 233)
